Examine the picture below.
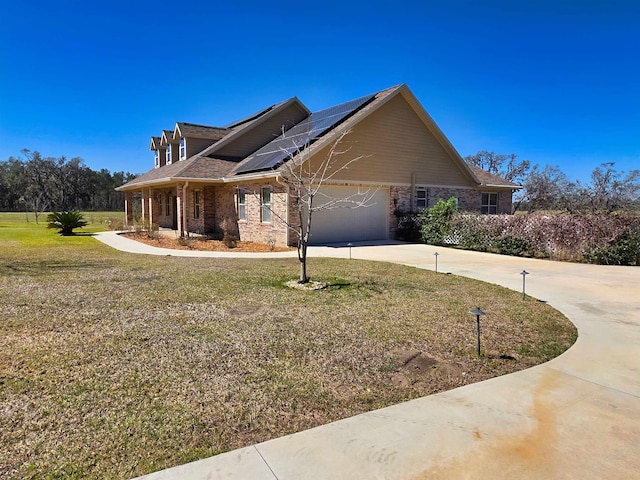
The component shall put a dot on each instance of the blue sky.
(556, 82)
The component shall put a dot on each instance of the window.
(242, 205)
(156, 159)
(168, 154)
(167, 210)
(196, 204)
(421, 198)
(159, 204)
(265, 205)
(183, 149)
(489, 202)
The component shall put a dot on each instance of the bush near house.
(601, 239)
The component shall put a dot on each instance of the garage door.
(344, 224)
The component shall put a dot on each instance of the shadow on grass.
(46, 267)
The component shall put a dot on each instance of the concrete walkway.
(575, 417)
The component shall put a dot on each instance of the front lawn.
(114, 365)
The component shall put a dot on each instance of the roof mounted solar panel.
(273, 154)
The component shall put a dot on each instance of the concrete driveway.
(575, 417)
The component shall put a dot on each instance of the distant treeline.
(36, 183)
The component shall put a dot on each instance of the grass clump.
(114, 365)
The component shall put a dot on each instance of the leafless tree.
(610, 190)
(305, 174)
(505, 166)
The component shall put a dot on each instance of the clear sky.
(553, 81)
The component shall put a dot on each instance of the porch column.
(179, 209)
(151, 202)
(145, 199)
(128, 209)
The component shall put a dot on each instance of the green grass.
(114, 365)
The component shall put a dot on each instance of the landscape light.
(524, 274)
(478, 313)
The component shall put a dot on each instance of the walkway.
(577, 416)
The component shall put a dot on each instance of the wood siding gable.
(399, 147)
(262, 133)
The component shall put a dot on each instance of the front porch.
(183, 209)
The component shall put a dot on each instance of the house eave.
(504, 187)
(166, 181)
(252, 176)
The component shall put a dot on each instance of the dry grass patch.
(116, 365)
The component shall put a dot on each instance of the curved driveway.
(575, 417)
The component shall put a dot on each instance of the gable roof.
(299, 137)
(374, 102)
(166, 138)
(241, 127)
(211, 166)
(155, 143)
(490, 180)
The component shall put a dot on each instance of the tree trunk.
(302, 256)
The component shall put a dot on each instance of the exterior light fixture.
(524, 274)
(436, 255)
(478, 313)
(349, 245)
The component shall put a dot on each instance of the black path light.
(436, 255)
(524, 274)
(349, 245)
(478, 313)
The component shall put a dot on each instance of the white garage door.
(344, 224)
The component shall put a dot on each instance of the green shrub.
(438, 222)
(66, 221)
(409, 228)
(516, 246)
(624, 250)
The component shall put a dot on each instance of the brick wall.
(253, 229)
(469, 200)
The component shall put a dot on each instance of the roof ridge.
(202, 126)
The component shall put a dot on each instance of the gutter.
(169, 180)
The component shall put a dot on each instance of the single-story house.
(229, 180)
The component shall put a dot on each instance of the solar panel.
(308, 131)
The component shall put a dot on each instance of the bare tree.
(548, 188)
(505, 166)
(610, 190)
(305, 174)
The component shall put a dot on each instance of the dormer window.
(156, 159)
(168, 154)
(183, 149)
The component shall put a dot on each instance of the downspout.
(413, 192)
(184, 210)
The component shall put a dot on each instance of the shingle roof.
(167, 136)
(191, 130)
(155, 143)
(197, 167)
(209, 166)
(489, 179)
